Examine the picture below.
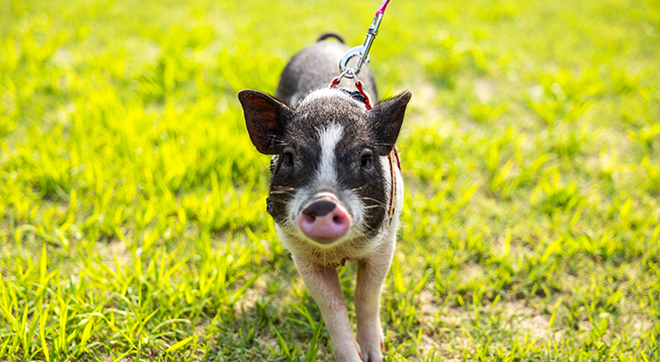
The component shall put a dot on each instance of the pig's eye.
(366, 159)
(287, 157)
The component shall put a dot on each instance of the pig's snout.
(324, 220)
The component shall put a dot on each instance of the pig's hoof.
(373, 357)
(371, 353)
(372, 349)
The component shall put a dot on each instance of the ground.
(132, 203)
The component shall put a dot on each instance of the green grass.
(132, 203)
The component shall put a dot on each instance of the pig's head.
(330, 172)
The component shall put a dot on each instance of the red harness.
(392, 157)
(358, 84)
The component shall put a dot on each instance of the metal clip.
(362, 51)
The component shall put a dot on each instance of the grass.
(132, 203)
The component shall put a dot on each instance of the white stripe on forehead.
(328, 139)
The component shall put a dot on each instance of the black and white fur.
(327, 146)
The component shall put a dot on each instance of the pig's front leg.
(323, 285)
(370, 277)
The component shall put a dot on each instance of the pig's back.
(315, 67)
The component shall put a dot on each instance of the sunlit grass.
(132, 203)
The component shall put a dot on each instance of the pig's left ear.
(265, 119)
(387, 118)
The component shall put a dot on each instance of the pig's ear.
(387, 118)
(265, 118)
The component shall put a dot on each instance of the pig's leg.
(323, 285)
(370, 277)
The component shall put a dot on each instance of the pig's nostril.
(308, 219)
(319, 208)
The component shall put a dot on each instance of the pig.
(336, 190)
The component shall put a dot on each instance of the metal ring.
(348, 74)
(350, 54)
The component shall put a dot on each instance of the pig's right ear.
(265, 118)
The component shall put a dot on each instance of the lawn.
(132, 204)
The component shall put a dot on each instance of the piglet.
(336, 190)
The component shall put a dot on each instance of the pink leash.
(362, 52)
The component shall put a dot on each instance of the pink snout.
(324, 220)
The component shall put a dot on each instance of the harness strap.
(393, 157)
(335, 82)
(360, 87)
